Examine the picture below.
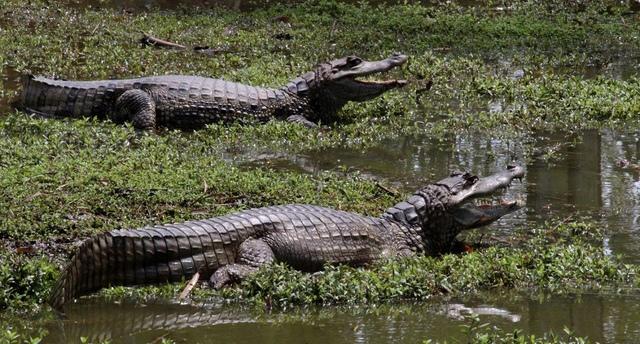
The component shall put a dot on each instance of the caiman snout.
(465, 187)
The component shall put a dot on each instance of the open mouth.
(476, 212)
(357, 73)
(381, 83)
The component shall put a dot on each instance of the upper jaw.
(488, 185)
(371, 67)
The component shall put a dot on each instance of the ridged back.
(167, 253)
(304, 236)
(178, 98)
(69, 98)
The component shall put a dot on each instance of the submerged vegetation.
(511, 71)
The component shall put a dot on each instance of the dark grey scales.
(228, 248)
(191, 102)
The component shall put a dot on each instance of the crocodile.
(191, 102)
(229, 248)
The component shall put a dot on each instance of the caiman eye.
(470, 179)
(353, 61)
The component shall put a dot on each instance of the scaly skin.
(191, 102)
(227, 249)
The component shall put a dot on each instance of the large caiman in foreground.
(191, 102)
(228, 248)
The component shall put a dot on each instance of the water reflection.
(607, 319)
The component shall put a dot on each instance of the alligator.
(227, 249)
(191, 102)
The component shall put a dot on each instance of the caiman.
(229, 248)
(191, 102)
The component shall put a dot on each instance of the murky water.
(607, 319)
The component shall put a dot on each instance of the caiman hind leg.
(138, 107)
(252, 254)
(301, 120)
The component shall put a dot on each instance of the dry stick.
(189, 286)
(161, 43)
(387, 189)
(150, 40)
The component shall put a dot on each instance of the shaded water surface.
(609, 319)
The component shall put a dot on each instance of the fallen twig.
(387, 189)
(189, 286)
(160, 43)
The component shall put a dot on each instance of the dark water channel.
(606, 319)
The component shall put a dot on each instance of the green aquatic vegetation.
(25, 282)
(63, 181)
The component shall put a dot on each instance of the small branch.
(386, 189)
(160, 43)
(189, 286)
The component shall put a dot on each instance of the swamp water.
(610, 319)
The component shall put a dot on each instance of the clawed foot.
(220, 278)
(230, 274)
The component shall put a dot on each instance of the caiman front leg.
(138, 107)
(252, 254)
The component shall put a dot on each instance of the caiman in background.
(229, 248)
(191, 102)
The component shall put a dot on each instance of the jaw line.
(372, 67)
(471, 215)
(488, 185)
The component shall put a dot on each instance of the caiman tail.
(60, 98)
(157, 254)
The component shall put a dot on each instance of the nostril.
(511, 166)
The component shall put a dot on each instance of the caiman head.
(332, 84)
(445, 208)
